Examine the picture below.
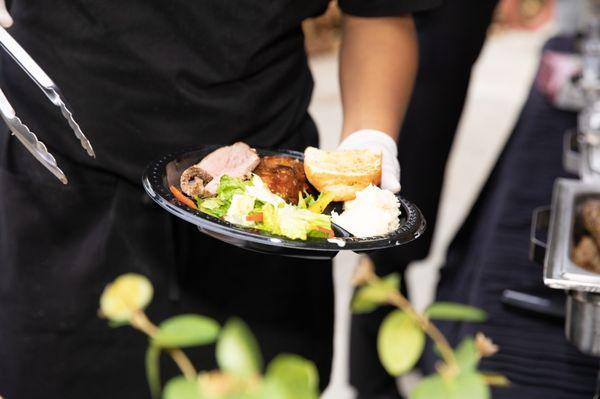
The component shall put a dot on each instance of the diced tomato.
(181, 197)
(255, 217)
(329, 232)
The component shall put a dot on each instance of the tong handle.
(24, 60)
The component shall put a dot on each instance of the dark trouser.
(450, 40)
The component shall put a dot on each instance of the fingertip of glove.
(6, 20)
(391, 185)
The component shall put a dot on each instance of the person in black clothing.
(450, 40)
(146, 77)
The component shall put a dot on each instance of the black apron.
(144, 78)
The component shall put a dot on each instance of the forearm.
(378, 64)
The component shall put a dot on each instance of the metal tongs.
(49, 88)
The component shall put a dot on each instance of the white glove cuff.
(370, 138)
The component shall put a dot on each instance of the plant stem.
(401, 302)
(184, 364)
(140, 321)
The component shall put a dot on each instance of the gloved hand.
(378, 141)
(5, 19)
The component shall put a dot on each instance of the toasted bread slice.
(342, 173)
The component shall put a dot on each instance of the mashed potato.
(374, 212)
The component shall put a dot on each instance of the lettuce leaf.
(237, 198)
(229, 186)
(212, 206)
(322, 202)
(218, 206)
(293, 222)
(239, 209)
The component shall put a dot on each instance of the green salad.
(251, 204)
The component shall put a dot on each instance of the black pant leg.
(450, 40)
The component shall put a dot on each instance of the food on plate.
(587, 255)
(373, 212)
(342, 173)
(273, 194)
(182, 198)
(237, 160)
(586, 252)
(251, 204)
(320, 204)
(194, 180)
(284, 176)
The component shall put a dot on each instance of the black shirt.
(146, 76)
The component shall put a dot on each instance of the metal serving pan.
(564, 228)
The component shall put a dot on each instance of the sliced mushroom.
(194, 180)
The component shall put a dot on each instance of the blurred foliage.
(403, 332)
(241, 373)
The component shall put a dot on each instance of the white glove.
(378, 141)
(5, 19)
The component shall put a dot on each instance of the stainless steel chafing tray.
(582, 326)
(559, 269)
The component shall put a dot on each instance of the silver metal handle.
(26, 63)
(48, 87)
(539, 222)
(571, 154)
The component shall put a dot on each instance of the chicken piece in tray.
(587, 255)
(284, 176)
(590, 214)
(237, 160)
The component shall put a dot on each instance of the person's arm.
(378, 64)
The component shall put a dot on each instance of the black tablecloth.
(490, 254)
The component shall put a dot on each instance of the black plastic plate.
(166, 171)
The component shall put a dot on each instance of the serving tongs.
(50, 89)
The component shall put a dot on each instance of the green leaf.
(471, 386)
(185, 331)
(466, 354)
(429, 388)
(465, 386)
(118, 324)
(294, 376)
(153, 370)
(455, 312)
(368, 297)
(181, 388)
(237, 349)
(495, 380)
(400, 343)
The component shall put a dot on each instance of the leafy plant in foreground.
(402, 336)
(241, 374)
